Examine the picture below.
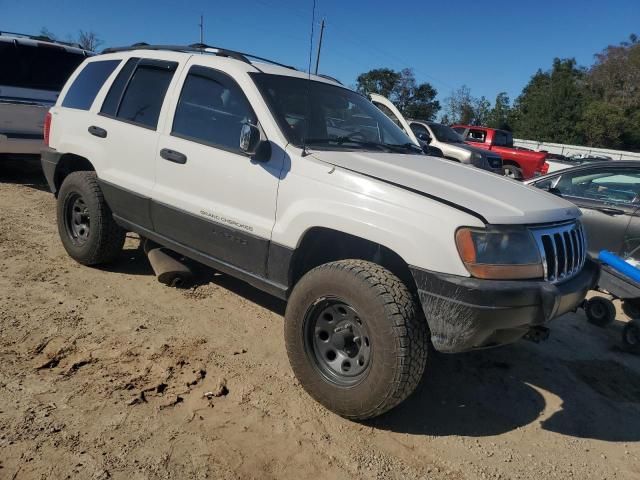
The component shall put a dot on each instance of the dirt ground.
(103, 375)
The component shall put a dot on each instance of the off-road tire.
(396, 326)
(600, 311)
(105, 238)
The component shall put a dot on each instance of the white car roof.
(209, 58)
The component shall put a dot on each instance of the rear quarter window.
(87, 84)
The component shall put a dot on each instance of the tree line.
(597, 106)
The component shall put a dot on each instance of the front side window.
(476, 135)
(325, 116)
(616, 186)
(212, 109)
(144, 94)
(87, 84)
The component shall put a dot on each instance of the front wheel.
(85, 223)
(355, 338)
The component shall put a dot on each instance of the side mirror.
(424, 137)
(249, 139)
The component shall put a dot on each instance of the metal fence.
(569, 150)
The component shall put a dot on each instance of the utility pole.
(201, 29)
(319, 46)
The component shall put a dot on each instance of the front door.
(210, 196)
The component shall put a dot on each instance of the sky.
(489, 46)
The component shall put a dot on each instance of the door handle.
(173, 156)
(97, 131)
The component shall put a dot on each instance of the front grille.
(563, 249)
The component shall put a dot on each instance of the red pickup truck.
(517, 162)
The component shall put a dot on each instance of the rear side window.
(40, 67)
(503, 139)
(87, 84)
(212, 109)
(144, 93)
(110, 105)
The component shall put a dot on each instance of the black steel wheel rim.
(337, 341)
(77, 220)
(598, 311)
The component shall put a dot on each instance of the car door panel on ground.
(609, 197)
(233, 225)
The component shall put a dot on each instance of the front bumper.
(466, 313)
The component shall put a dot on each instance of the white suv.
(304, 189)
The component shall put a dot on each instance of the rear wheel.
(355, 338)
(85, 223)
(512, 171)
(600, 311)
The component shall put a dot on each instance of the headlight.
(476, 157)
(499, 253)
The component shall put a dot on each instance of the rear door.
(126, 128)
(210, 196)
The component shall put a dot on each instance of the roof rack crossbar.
(200, 48)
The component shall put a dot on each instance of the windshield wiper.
(346, 140)
(409, 146)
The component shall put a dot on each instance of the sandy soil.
(103, 375)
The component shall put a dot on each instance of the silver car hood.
(497, 199)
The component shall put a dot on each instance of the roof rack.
(199, 48)
(329, 77)
(42, 38)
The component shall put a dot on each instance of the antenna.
(319, 46)
(201, 25)
(308, 119)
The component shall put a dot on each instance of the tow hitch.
(537, 334)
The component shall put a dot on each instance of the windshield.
(445, 134)
(324, 116)
(41, 67)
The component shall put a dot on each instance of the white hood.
(499, 200)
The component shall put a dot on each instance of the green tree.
(612, 116)
(412, 99)
(459, 107)
(551, 105)
(500, 114)
(481, 111)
